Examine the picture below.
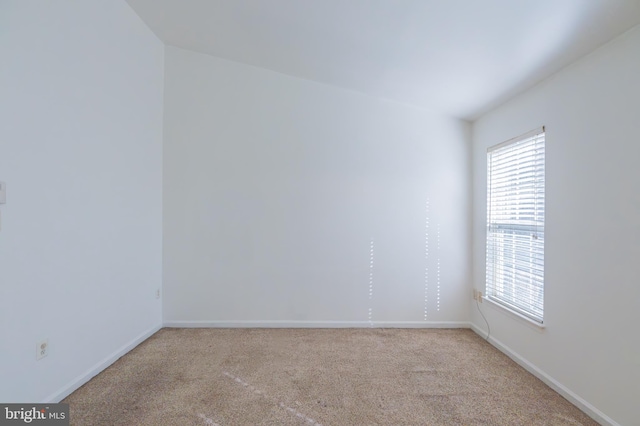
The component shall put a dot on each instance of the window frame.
(506, 236)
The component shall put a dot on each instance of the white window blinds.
(515, 224)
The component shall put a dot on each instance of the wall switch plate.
(42, 349)
(3, 193)
(158, 294)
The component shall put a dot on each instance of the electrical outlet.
(42, 349)
(480, 296)
(157, 293)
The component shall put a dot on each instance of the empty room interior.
(321, 212)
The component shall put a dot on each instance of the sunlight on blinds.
(515, 224)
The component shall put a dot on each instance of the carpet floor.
(329, 377)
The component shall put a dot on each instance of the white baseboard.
(317, 324)
(569, 395)
(92, 372)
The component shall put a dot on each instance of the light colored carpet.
(328, 377)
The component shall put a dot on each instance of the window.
(515, 225)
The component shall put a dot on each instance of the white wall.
(591, 343)
(81, 153)
(274, 187)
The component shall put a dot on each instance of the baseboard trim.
(567, 393)
(316, 324)
(98, 368)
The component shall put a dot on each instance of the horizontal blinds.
(515, 224)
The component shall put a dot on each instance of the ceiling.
(458, 57)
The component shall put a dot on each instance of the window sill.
(513, 314)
